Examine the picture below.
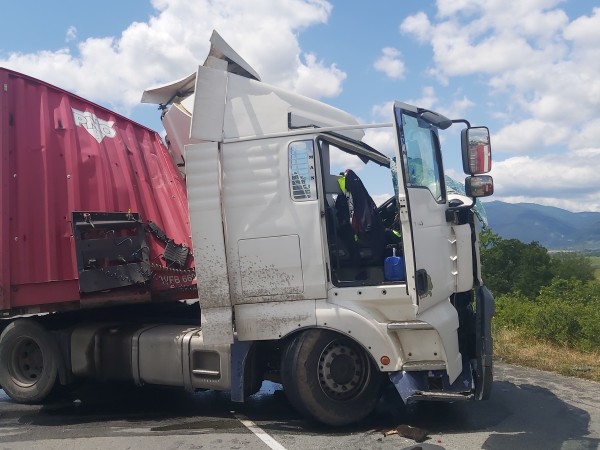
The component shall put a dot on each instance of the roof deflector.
(219, 49)
(236, 64)
(163, 95)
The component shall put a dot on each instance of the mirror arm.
(453, 211)
(466, 122)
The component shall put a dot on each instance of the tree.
(509, 265)
(487, 238)
(571, 265)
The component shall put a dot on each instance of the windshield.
(419, 142)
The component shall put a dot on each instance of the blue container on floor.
(394, 268)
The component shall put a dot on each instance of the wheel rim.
(343, 370)
(26, 362)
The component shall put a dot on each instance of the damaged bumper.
(476, 378)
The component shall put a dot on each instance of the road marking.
(259, 432)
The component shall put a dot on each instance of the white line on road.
(259, 432)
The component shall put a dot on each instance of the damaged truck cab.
(300, 276)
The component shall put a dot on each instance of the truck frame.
(290, 256)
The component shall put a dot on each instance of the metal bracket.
(111, 250)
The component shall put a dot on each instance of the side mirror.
(476, 150)
(479, 186)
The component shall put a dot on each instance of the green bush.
(568, 265)
(553, 297)
(514, 311)
(567, 313)
(572, 313)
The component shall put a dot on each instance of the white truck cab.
(278, 258)
(301, 277)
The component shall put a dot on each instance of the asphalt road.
(529, 410)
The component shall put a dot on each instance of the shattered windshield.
(419, 144)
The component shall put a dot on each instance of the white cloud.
(381, 139)
(568, 181)
(315, 79)
(341, 161)
(383, 112)
(384, 139)
(585, 29)
(543, 64)
(427, 100)
(116, 69)
(589, 135)
(390, 63)
(541, 70)
(590, 203)
(459, 107)
(71, 34)
(529, 135)
(417, 25)
(454, 109)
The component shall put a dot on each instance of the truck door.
(422, 202)
(273, 221)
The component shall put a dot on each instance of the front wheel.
(28, 361)
(329, 377)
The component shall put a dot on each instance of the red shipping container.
(60, 154)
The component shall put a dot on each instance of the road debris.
(408, 431)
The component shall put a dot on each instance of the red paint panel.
(60, 153)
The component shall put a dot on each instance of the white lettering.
(169, 279)
(98, 128)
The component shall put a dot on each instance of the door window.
(302, 170)
(421, 162)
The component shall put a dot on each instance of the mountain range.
(554, 228)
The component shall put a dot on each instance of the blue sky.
(528, 69)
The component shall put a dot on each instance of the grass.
(595, 260)
(595, 263)
(512, 346)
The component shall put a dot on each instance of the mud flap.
(240, 351)
(483, 370)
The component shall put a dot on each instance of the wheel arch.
(372, 335)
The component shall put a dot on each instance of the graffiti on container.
(98, 128)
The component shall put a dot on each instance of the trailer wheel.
(329, 377)
(28, 361)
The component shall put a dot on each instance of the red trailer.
(92, 208)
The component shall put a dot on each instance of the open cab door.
(422, 204)
(435, 259)
(429, 244)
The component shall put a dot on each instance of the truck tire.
(484, 375)
(329, 377)
(28, 361)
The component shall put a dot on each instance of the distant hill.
(554, 228)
